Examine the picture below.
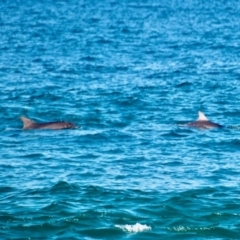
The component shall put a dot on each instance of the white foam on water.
(134, 228)
(190, 229)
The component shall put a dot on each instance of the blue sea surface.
(129, 74)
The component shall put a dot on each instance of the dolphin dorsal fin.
(201, 117)
(27, 123)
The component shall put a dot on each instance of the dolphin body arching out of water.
(203, 122)
(29, 124)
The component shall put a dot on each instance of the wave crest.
(134, 228)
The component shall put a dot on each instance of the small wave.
(134, 228)
(190, 229)
(234, 127)
(174, 134)
(207, 230)
(183, 84)
(64, 186)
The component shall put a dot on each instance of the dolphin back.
(203, 122)
(29, 124)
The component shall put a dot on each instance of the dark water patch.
(7, 218)
(31, 156)
(174, 163)
(89, 58)
(89, 156)
(174, 134)
(233, 127)
(102, 233)
(228, 145)
(6, 189)
(63, 186)
(61, 209)
(40, 231)
(221, 216)
(183, 84)
(95, 191)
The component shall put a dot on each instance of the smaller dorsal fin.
(27, 123)
(201, 117)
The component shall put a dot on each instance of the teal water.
(129, 74)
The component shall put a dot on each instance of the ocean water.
(129, 74)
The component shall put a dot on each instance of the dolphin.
(203, 122)
(30, 124)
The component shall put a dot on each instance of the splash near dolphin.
(203, 122)
(29, 124)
